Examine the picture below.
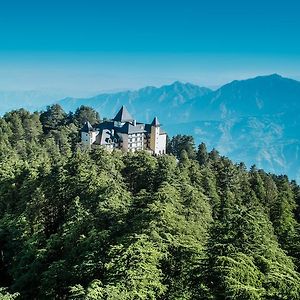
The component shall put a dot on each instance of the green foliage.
(179, 143)
(202, 154)
(53, 118)
(242, 279)
(5, 295)
(94, 291)
(85, 113)
(133, 271)
(77, 224)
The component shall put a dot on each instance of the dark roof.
(105, 125)
(129, 128)
(155, 122)
(123, 115)
(148, 128)
(125, 128)
(87, 127)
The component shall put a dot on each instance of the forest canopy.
(80, 224)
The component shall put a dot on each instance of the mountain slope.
(255, 121)
(260, 96)
(143, 103)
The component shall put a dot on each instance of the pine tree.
(202, 154)
(52, 118)
(85, 113)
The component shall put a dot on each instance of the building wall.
(88, 138)
(161, 144)
(158, 141)
(136, 141)
(125, 142)
(153, 137)
(94, 136)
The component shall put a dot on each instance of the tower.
(88, 134)
(158, 139)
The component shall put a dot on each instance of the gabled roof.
(87, 127)
(155, 122)
(123, 115)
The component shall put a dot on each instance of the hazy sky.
(85, 46)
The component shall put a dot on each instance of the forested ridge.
(78, 224)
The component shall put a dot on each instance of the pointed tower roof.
(123, 115)
(155, 122)
(87, 127)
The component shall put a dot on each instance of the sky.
(82, 47)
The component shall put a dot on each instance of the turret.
(155, 122)
(87, 127)
(157, 138)
(88, 134)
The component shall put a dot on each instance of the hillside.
(255, 120)
(77, 224)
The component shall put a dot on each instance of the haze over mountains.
(29, 99)
(255, 120)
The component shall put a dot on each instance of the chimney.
(134, 122)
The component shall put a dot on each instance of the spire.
(123, 115)
(87, 127)
(155, 122)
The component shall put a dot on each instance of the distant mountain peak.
(260, 82)
(179, 84)
(274, 76)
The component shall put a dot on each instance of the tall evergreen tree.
(202, 154)
(53, 117)
(79, 224)
(182, 142)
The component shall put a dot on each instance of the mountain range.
(29, 99)
(255, 120)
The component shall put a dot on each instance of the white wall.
(161, 144)
(85, 138)
(89, 138)
(158, 141)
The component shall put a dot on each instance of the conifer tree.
(79, 224)
(202, 154)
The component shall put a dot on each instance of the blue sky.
(82, 47)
